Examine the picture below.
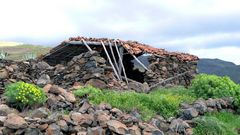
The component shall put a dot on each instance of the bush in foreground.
(163, 102)
(22, 94)
(212, 86)
(222, 123)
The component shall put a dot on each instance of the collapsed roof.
(133, 47)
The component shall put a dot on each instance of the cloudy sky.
(207, 28)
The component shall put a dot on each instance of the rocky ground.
(65, 114)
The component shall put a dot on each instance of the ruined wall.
(91, 68)
(164, 68)
(86, 68)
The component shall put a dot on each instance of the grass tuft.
(222, 123)
(164, 102)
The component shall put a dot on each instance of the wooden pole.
(110, 61)
(140, 62)
(88, 47)
(120, 50)
(168, 79)
(121, 67)
(114, 59)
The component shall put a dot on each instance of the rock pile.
(200, 107)
(63, 114)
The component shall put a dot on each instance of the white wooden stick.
(121, 62)
(88, 47)
(110, 61)
(140, 62)
(114, 59)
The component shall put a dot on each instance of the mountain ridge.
(219, 67)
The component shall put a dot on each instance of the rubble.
(86, 118)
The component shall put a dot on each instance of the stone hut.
(110, 63)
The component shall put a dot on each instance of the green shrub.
(209, 126)
(222, 123)
(212, 86)
(3, 55)
(87, 91)
(23, 94)
(29, 56)
(162, 101)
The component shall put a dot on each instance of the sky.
(206, 28)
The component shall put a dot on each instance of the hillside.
(219, 67)
(17, 52)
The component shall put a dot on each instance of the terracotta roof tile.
(135, 47)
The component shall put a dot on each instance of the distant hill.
(220, 67)
(17, 51)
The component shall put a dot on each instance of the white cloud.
(224, 53)
(202, 41)
(171, 24)
(198, 7)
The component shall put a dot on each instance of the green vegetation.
(18, 52)
(3, 55)
(220, 68)
(22, 94)
(163, 101)
(212, 86)
(29, 56)
(222, 123)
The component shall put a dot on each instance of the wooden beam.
(168, 79)
(121, 50)
(140, 62)
(92, 43)
(84, 42)
(110, 61)
(114, 59)
(57, 49)
(120, 61)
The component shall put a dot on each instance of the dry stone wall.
(91, 68)
(170, 67)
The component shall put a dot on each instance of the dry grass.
(17, 52)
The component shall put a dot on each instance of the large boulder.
(60, 91)
(96, 83)
(102, 118)
(189, 113)
(200, 106)
(32, 131)
(134, 130)
(43, 80)
(5, 110)
(117, 127)
(14, 121)
(95, 131)
(40, 113)
(3, 74)
(53, 129)
(63, 125)
(82, 119)
(179, 126)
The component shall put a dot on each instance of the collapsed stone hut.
(107, 63)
